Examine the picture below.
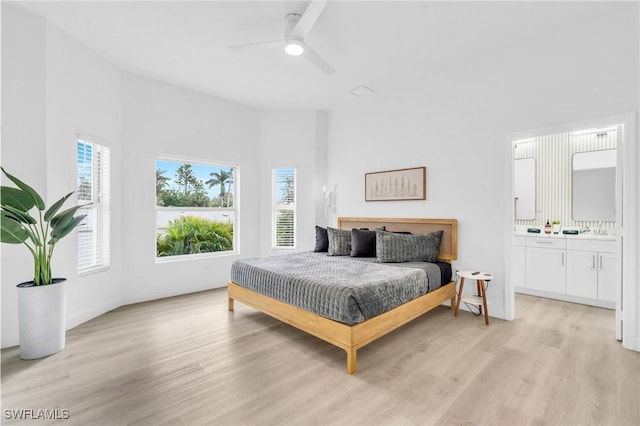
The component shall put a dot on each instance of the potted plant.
(41, 302)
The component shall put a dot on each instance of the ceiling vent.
(361, 91)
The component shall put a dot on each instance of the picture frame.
(396, 185)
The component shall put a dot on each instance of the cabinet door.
(546, 269)
(582, 273)
(518, 266)
(607, 277)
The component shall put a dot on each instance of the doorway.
(586, 251)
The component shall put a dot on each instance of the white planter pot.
(41, 314)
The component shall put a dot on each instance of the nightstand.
(481, 283)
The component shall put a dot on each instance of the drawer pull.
(544, 242)
(593, 262)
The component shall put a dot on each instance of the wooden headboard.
(448, 246)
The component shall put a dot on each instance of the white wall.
(23, 139)
(321, 157)
(54, 88)
(455, 125)
(292, 139)
(83, 96)
(159, 118)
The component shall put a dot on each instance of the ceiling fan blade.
(316, 60)
(258, 44)
(308, 18)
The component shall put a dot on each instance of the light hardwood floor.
(187, 360)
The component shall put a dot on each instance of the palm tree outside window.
(221, 179)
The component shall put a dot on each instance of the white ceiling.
(385, 45)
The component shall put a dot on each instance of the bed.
(349, 332)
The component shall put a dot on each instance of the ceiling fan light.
(293, 48)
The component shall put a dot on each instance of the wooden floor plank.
(187, 360)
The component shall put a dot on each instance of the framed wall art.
(396, 185)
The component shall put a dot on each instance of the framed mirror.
(594, 185)
(524, 188)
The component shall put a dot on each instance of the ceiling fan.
(296, 29)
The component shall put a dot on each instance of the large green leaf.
(55, 207)
(22, 216)
(11, 232)
(62, 231)
(16, 198)
(63, 218)
(20, 184)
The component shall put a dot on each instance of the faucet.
(600, 230)
(597, 231)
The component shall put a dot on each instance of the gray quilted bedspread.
(339, 288)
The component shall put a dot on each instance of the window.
(284, 208)
(93, 192)
(195, 208)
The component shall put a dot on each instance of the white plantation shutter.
(284, 208)
(93, 191)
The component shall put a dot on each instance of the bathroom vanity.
(568, 179)
(580, 268)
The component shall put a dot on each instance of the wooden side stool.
(481, 283)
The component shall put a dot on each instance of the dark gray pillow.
(363, 243)
(322, 240)
(384, 228)
(339, 242)
(392, 247)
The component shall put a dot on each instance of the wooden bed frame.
(353, 337)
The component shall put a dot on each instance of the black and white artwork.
(395, 185)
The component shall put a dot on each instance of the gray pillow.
(339, 242)
(392, 247)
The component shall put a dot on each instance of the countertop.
(583, 236)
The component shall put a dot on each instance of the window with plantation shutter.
(284, 208)
(93, 193)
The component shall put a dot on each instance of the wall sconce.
(329, 200)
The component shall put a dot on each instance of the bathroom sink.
(584, 236)
(592, 237)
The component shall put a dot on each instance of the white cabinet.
(575, 270)
(607, 277)
(546, 268)
(518, 262)
(592, 269)
(582, 274)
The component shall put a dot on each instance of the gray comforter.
(343, 289)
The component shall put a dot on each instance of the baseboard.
(78, 318)
(566, 298)
(73, 320)
(140, 298)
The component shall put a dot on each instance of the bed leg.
(352, 361)
(230, 303)
(453, 302)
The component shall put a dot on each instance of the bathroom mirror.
(594, 185)
(524, 188)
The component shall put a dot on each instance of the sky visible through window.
(85, 158)
(201, 171)
(285, 178)
(85, 169)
